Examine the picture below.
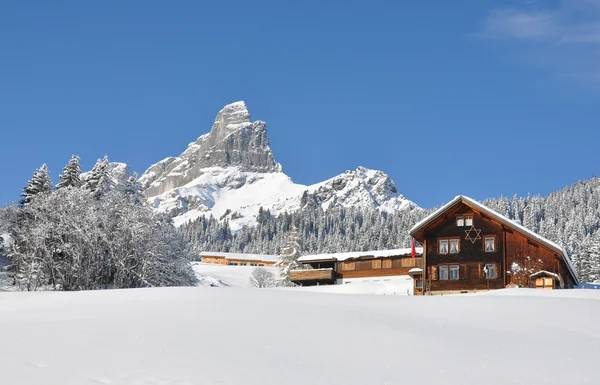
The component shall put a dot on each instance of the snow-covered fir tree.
(98, 181)
(40, 183)
(71, 174)
(133, 189)
(288, 258)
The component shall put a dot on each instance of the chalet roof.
(241, 256)
(502, 219)
(359, 254)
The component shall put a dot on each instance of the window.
(489, 244)
(460, 221)
(469, 220)
(348, 266)
(443, 272)
(443, 246)
(454, 246)
(419, 284)
(490, 270)
(446, 245)
(454, 272)
(232, 264)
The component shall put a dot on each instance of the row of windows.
(452, 245)
(452, 272)
(244, 264)
(377, 264)
(466, 220)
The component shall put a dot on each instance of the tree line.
(90, 233)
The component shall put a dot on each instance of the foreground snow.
(251, 336)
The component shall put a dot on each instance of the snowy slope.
(188, 336)
(231, 172)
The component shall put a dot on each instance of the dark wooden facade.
(464, 269)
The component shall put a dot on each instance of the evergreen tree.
(133, 189)
(288, 259)
(39, 183)
(98, 181)
(71, 174)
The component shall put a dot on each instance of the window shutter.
(498, 267)
(480, 269)
(462, 272)
(434, 275)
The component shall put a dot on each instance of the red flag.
(412, 250)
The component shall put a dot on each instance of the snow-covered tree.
(133, 189)
(262, 278)
(71, 174)
(288, 259)
(98, 181)
(71, 240)
(40, 183)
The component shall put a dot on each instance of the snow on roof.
(544, 272)
(359, 254)
(242, 256)
(472, 202)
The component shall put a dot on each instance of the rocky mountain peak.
(233, 141)
(231, 118)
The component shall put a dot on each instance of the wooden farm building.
(361, 266)
(238, 259)
(467, 247)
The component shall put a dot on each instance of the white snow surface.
(226, 276)
(177, 336)
(358, 254)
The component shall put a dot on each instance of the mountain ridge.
(231, 172)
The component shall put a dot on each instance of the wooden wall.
(376, 267)
(214, 260)
(242, 262)
(533, 257)
(471, 257)
(511, 247)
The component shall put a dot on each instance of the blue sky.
(479, 97)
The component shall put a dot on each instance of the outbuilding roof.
(241, 256)
(359, 254)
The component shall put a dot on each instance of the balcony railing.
(325, 275)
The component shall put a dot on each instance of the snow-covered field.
(252, 336)
(223, 275)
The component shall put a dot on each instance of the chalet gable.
(457, 205)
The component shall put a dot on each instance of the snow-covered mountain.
(231, 172)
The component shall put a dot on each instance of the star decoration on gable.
(473, 234)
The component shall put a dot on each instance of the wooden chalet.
(467, 247)
(237, 259)
(361, 266)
